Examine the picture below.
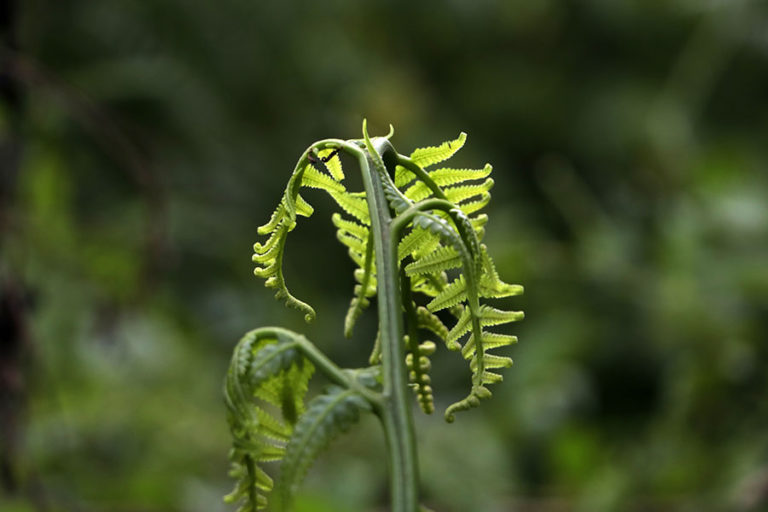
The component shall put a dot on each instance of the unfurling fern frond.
(415, 230)
(480, 361)
(447, 239)
(429, 321)
(270, 256)
(321, 170)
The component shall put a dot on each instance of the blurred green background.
(143, 142)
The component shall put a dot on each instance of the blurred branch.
(11, 96)
(570, 195)
(13, 331)
(98, 122)
(692, 79)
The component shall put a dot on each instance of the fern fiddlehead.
(407, 232)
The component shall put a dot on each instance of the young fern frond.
(311, 172)
(270, 256)
(414, 235)
(478, 279)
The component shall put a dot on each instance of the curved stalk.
(421, 174)
(395, 411)
(396, 414)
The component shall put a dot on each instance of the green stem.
(421, 174)
(396, 414)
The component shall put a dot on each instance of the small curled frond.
(417, 352)
(418, 364)
(427, 320)
(318, 170)
(375, 357)
(269, 255)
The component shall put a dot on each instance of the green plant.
(412, 233)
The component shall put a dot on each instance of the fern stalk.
(396, 413)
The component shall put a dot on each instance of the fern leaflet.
(327, 416)
(424, 157)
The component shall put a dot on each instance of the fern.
(414, 236)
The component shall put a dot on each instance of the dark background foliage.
(143, 142)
